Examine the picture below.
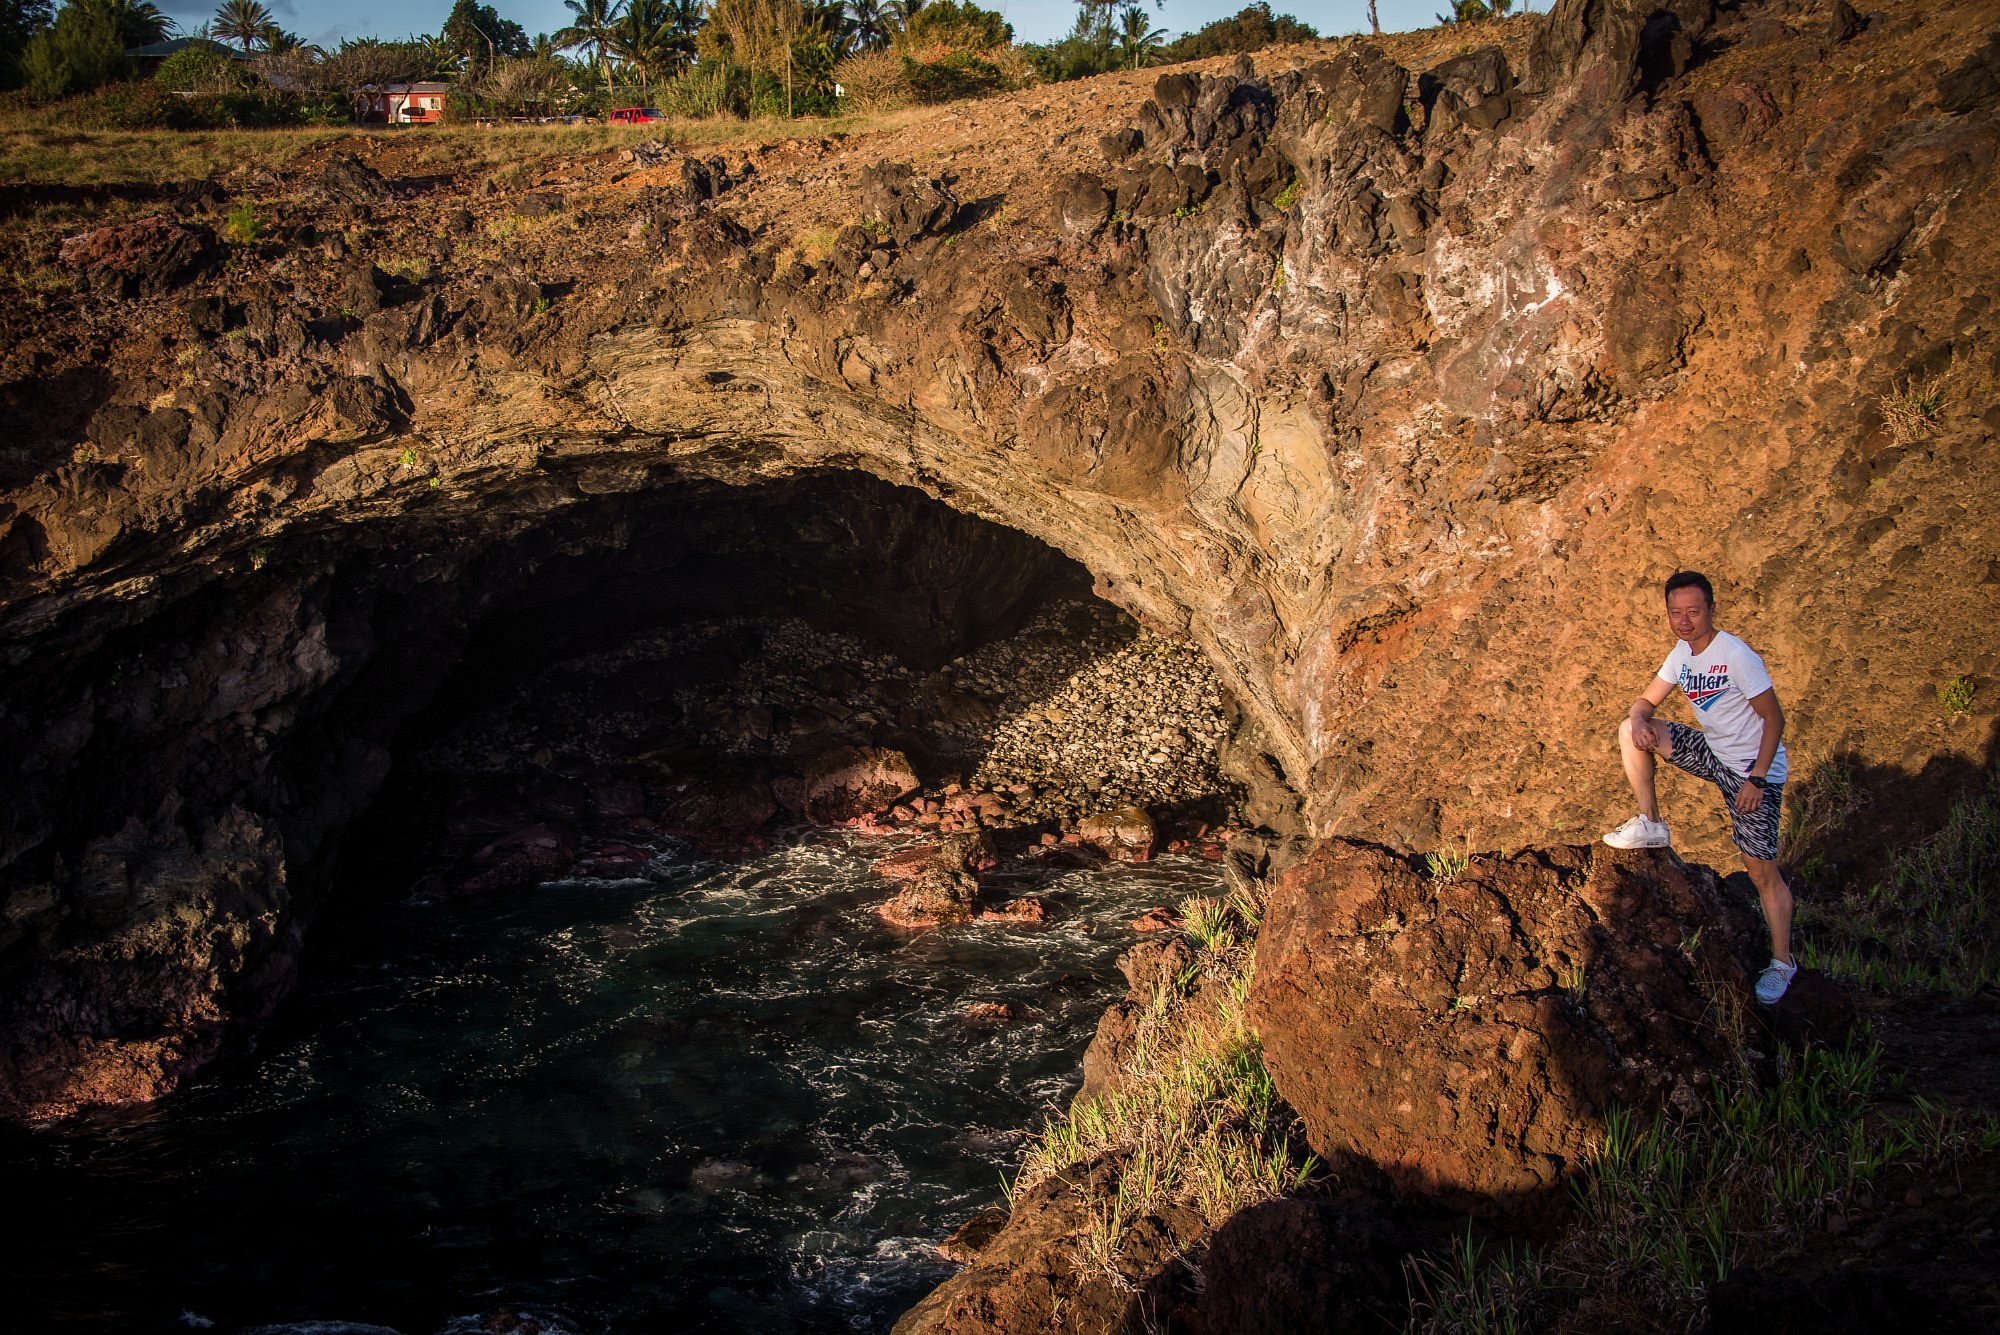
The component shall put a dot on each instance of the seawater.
(714, 1097)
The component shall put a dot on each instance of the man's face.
(1690, 614)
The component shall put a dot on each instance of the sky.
(1034, 20)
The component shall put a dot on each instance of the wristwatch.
(1760, 782)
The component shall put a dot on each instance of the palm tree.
(596, 21)
(646, 36)
(244, 22)
(871, 24)
(1137, 39)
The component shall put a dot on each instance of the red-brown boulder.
(1466, 1033)
(850, 782)
(1124, 835)
(141, 258)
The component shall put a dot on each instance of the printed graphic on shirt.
(1702, 688)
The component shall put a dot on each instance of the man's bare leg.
(1639, 767)
(1776, 898)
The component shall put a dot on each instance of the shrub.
(1253, 29)
(873, 81)
(241, 225)
(953, 75)
(1915, 409)
(712, 88)
(1955, 697)
(199, 69)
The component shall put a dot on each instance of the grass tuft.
(1915, 409)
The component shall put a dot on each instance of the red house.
(403, 103)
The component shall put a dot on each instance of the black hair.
(1691, 579)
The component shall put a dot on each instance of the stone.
(1085, 205)
(1465, 1035)
(1126, 834)
(137, 259)
(910, 206)
(972, 1237)
(346, 179)
(1843, 23)
(850, 782)
(936, 896)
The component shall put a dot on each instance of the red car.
(636, 116)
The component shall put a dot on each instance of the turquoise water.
(713, 1097)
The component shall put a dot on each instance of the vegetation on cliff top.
(1195, 1119)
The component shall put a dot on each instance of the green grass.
(1668, 1206)
(1289, 195)
(1932, 921)
(1197, 1121)
(1447, 864)
(1955, 697)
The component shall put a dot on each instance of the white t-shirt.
(1719, 683)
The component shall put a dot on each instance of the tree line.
(688, 57)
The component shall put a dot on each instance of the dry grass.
(1916, 408)
(55, 156)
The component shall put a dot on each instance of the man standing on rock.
(1738, 748)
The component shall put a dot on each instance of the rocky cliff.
(1392, 375)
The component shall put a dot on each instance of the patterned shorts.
(1756, 833)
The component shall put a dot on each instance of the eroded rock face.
(1393, 378)
(193, 936)
(1466, 1035)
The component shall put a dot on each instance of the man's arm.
(1643, 730)
(1749, 797)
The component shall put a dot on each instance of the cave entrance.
(684, 657)
(552, 1065)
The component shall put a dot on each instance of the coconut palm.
(244, 22)
(596, 21)
(871, 24)
(646, 36)
(1138, 40)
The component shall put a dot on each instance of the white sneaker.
(1639, 833)
(1771, 983)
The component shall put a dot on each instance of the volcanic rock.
(721, 812)
(850, 782)
(1125, 835)
(1299, 1265)
(135, 259)
(936, 896)
(1466, 1034)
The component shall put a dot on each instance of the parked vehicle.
(636, 116)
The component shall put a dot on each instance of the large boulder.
(850, 782)
(1466, 1031)
(1124, 835)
